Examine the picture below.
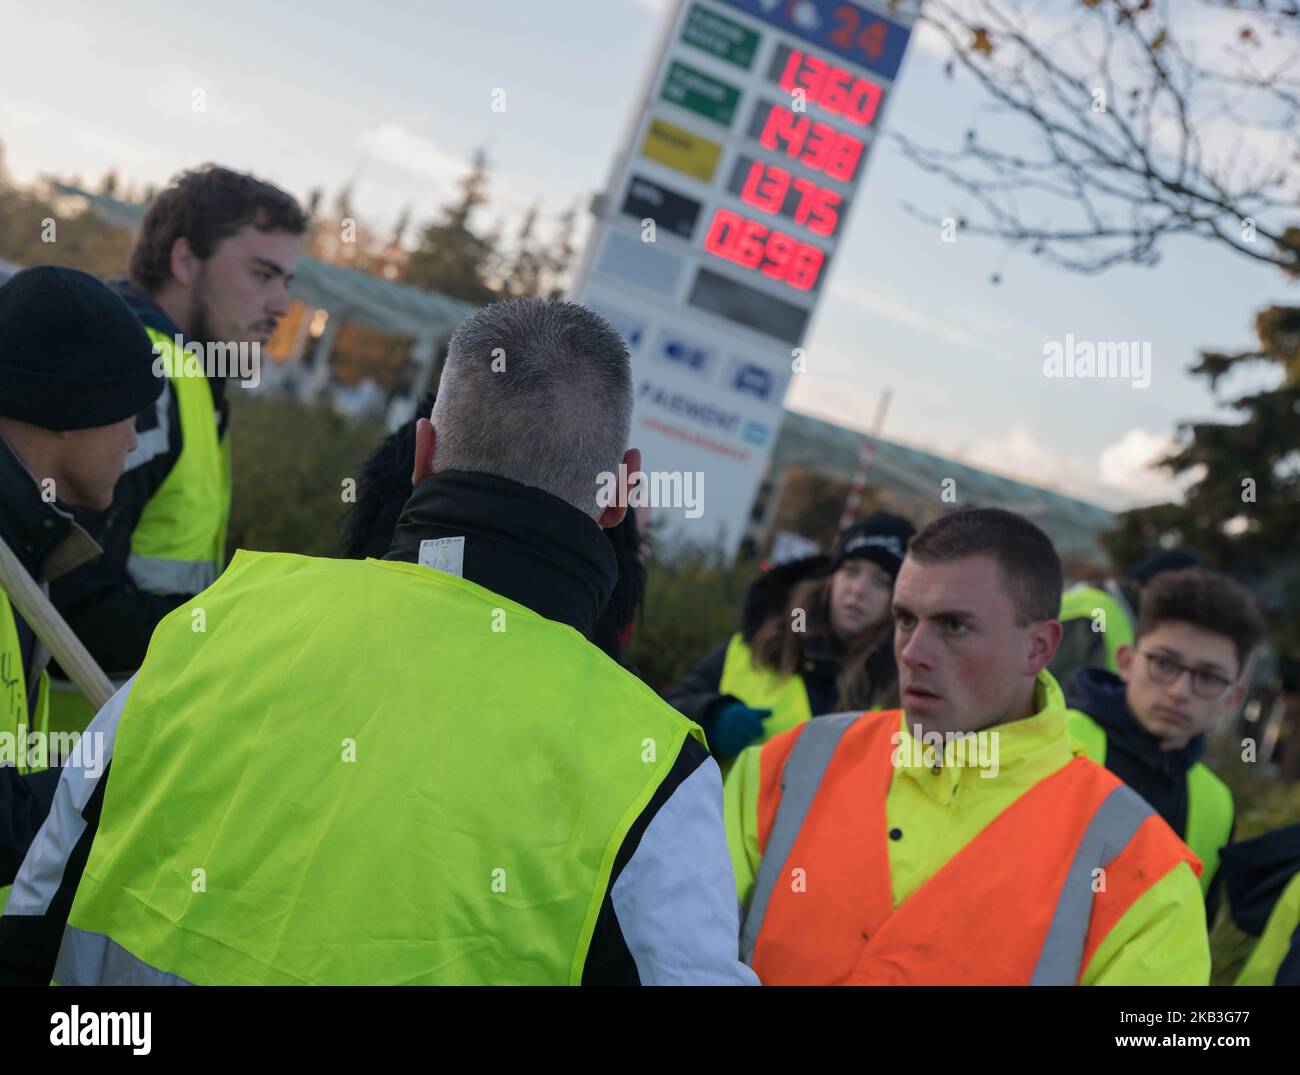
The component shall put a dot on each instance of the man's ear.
(613, 515)
(425, 442)
(1124, 659)
(1231, 700)
(1043, 640)
(183, 264)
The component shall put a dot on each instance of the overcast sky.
(397, 94)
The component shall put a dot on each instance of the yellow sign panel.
(680, 149)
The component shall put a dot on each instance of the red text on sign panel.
(834, 88)
(815, 145)
(751, 244)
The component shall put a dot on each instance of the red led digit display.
(817, 208)
(768, 186)
(752, 245)
(834, 88)
(765, 187)
(815, 145)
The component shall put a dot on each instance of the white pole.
(864, 462)
(52, 629)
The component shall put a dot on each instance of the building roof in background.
(833, 451)
(347, 293)
(375, 302)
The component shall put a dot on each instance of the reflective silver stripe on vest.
(800, 779)
(153, 442)
(42, 870)
(171, 576)
(1108, 833)
(92, 959)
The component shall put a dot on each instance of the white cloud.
(1016, 453)
(928, 38)
(1126, 467)
(1120, 478)
(417, 156)
(422, 159)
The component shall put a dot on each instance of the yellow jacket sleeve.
(740, 815)
(1161, 940)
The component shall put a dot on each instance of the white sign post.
(719, 222)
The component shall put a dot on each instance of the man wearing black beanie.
(75, 368)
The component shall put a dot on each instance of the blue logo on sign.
(686, 355)
(691, 357)
(755, 433)
(752, 379)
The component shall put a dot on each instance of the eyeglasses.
(1204, 684)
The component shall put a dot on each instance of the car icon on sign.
(752, 379)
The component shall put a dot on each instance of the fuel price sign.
(722, 215)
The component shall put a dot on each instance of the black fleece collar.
(41, 534)
(1102, 695)
(520, 542)
(151, 315)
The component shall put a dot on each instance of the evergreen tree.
(1242, 511)
(450, 258)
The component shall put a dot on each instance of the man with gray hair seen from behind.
(409, 770)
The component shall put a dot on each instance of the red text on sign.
(816, 145)
(751, 244)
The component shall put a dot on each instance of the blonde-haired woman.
(822, 643)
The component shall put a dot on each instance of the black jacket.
(111, 615)
(1255, 872)
(48, 543)
(699, 696)
(1133, 754)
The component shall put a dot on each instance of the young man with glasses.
(1147, 725)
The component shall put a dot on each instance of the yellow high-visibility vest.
(351, 776)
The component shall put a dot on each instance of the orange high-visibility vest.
(1027, 902)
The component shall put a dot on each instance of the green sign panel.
(701, 93)
(714, 33)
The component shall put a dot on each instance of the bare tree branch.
(1149, 119)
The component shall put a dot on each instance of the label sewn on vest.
(444, 554)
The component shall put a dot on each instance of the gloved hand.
(735, 727)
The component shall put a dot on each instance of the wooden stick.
(52, 629)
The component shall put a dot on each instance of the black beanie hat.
(1162, 560)
(881, 538)
(72, 354)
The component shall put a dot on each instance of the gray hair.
(538, 391)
